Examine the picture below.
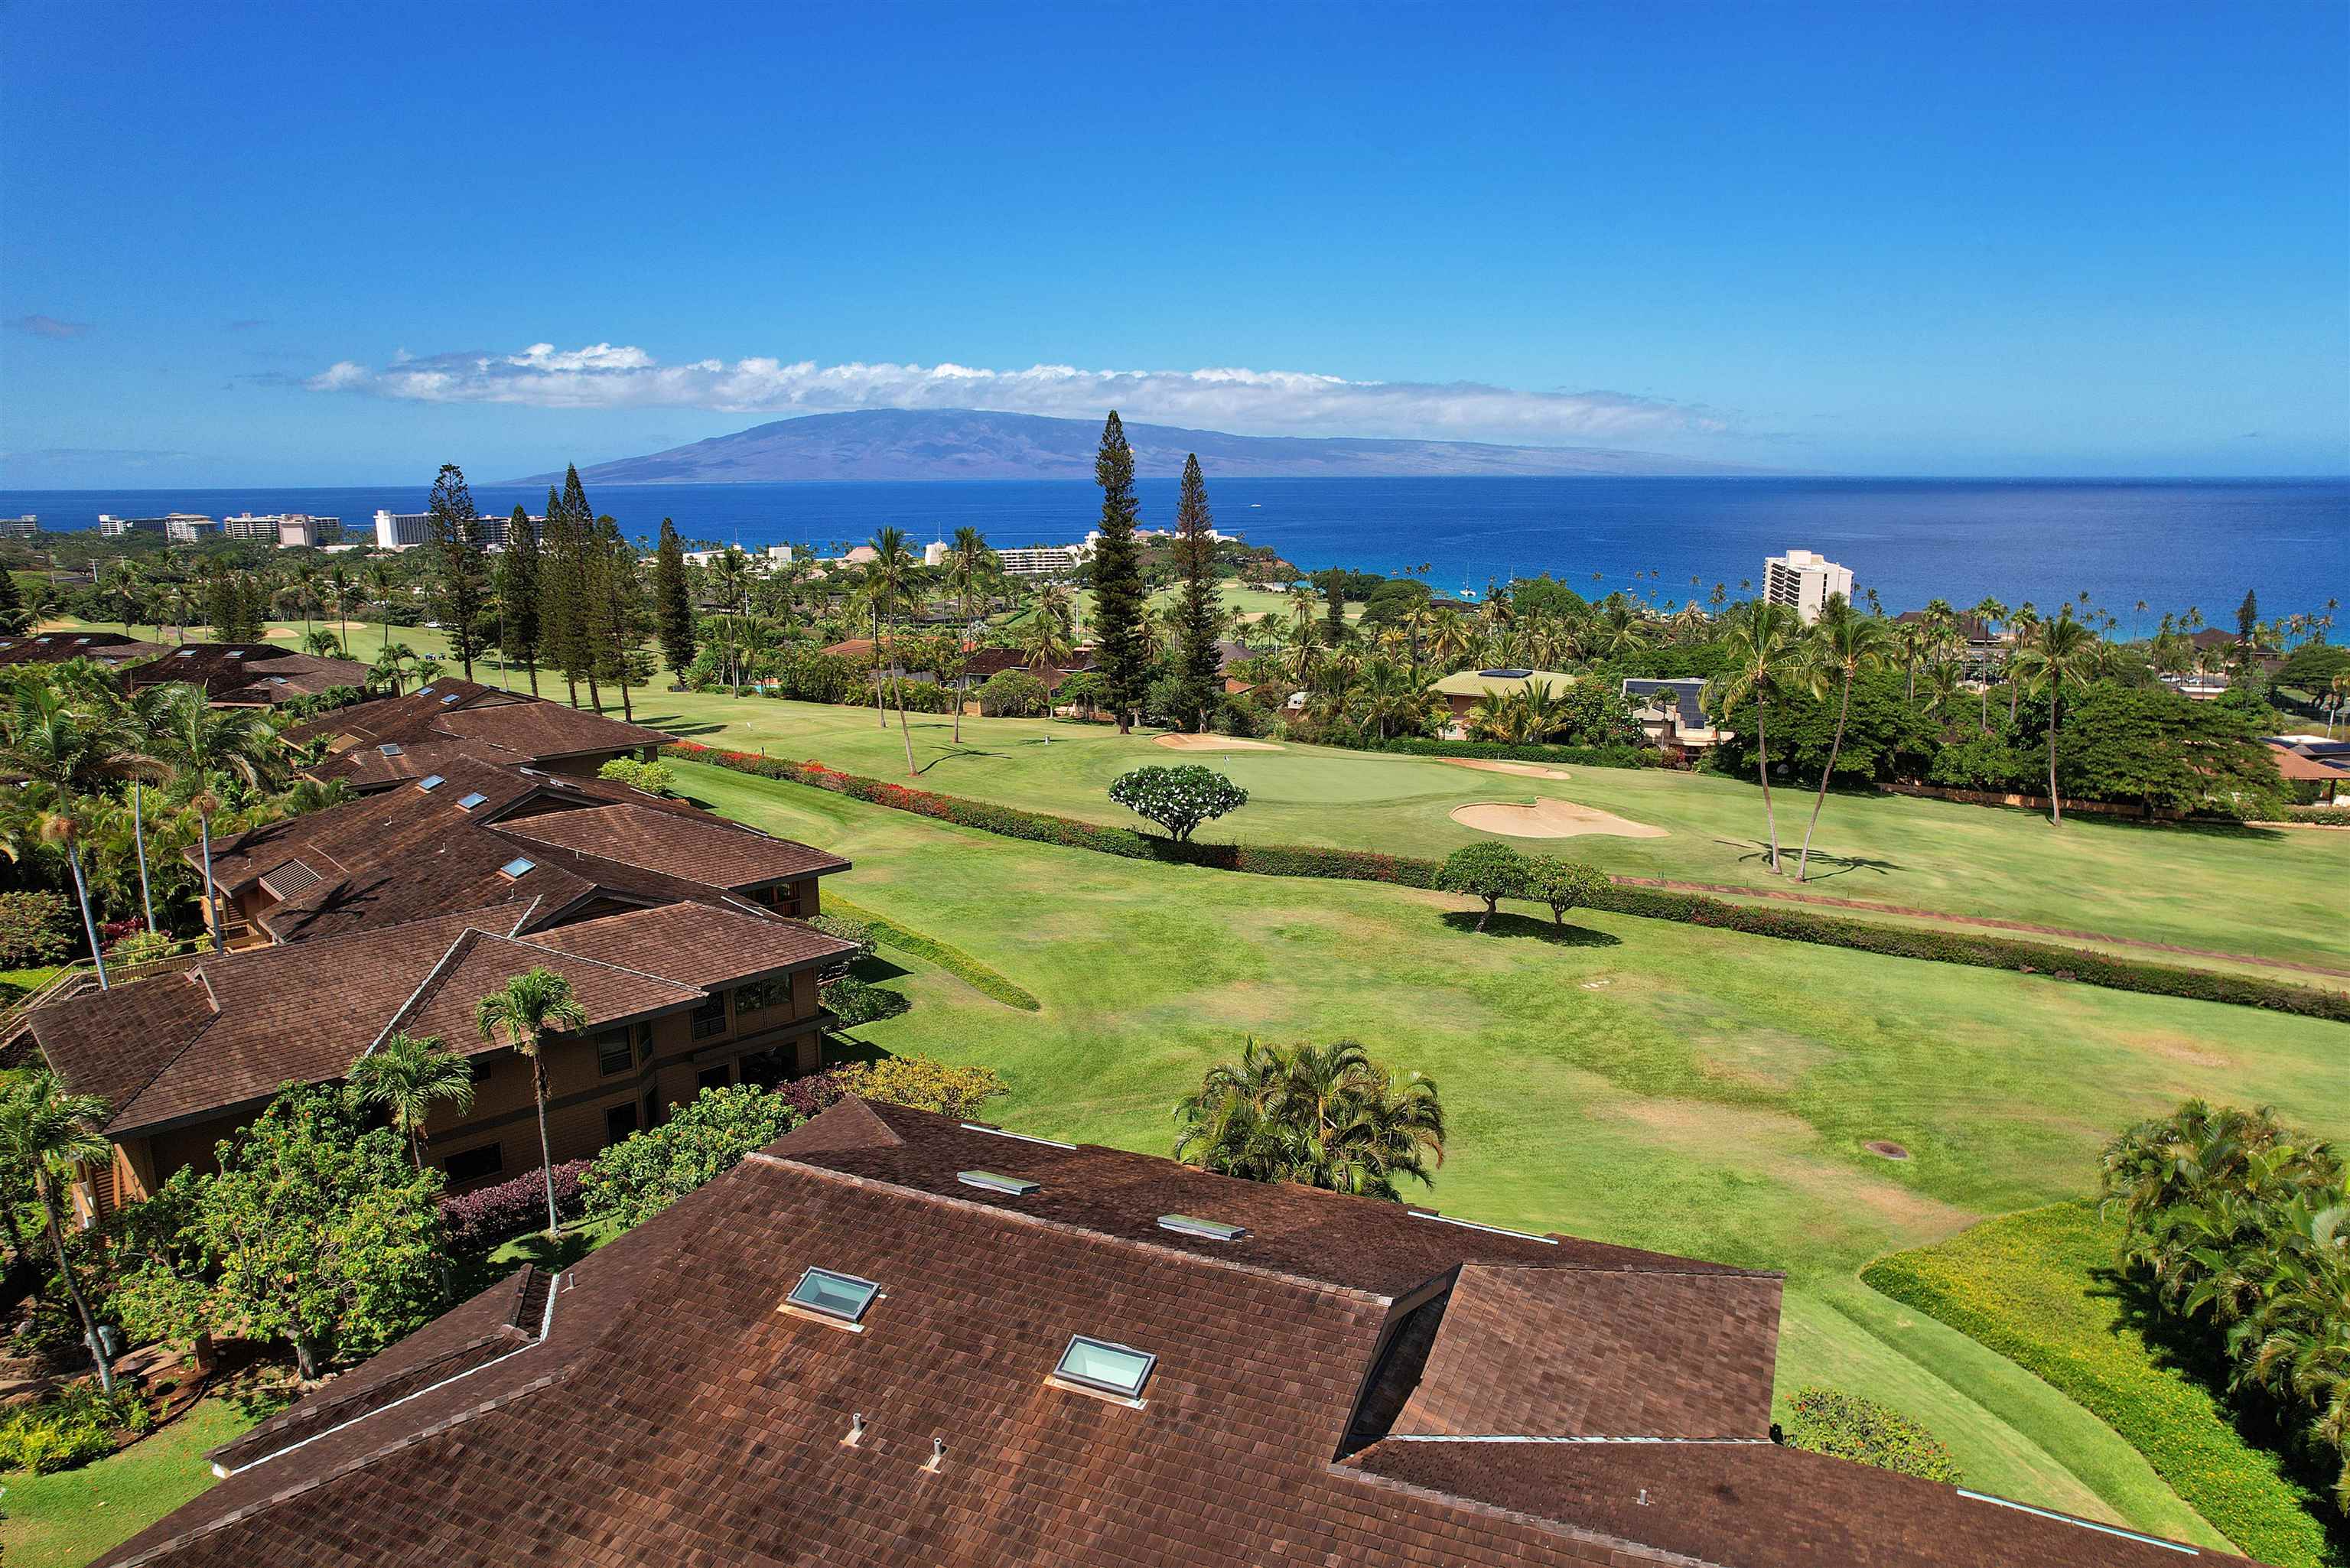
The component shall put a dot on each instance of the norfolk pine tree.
(1119, 599)
(1195, 557)
(673, 601)
(518, 595)
(455, 531)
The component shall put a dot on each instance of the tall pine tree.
(586, 566)
(619, 614)
(561, 604)
(1198, 666)
(518, 595)
(454, 532)
(1119, 602)
(14, 617)
(673, 601)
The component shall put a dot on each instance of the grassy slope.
(65, 1520)
(2189, 885)
(1650, 1084)
(2038, 1286)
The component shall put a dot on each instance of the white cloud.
(609, 376)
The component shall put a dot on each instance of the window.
(619, 1122)
(519, 868)
(710, 1018)
(775, 991)
(844, 1296)
(990, 1181)
(467, 803)
(1118, 1369)
(644, 1042)
(1210, 1229)
(719, 1077)
(474, 1163)
(614, 1051)
(429, 782)
(652, 1109)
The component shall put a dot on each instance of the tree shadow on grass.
(1755, 852)
(840, 1050)
(954, 752)
(2192, 1349)
(668, 725)
(875, 969)
(471, 1276)
(1526, 927)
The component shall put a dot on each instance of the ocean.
(2170, 544)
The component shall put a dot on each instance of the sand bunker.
(1549, 819)
(1524, 770)
(1215, 743)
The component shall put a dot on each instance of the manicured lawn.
(2273, 893)
(1644, 1083)
(65, 1520)
(2039, 1287)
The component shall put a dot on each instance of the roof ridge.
(197, 974)
(1069, 1228)
(1350, 1470)
(1710, 1271)
(415, 998)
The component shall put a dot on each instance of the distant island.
(967, 443)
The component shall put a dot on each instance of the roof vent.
(1023, 1138)
(1209, 1229)
(990, 1181)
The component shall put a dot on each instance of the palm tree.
(530, 1008)
(199, 741)
(895, 578)
(47, 738)
(390, 666)
(44, 1133)
(407, 1076)
(968, 566)
(342, 592)
(1325, 1116)
(381, 580)
(1766, 649)
(1845, 643)
(2060, 655)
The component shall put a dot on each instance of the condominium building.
(109, 527)
(1044, 561)
(190, 528)
(24, 527)
(287, 531)
(406, 530)
(1802, 580)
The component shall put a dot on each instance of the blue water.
(2169, 543)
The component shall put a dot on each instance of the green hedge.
(1584, 756)
(1646, 903)
(1831, 1421)
(988, 982)
(2033, 1287)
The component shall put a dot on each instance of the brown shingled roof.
(705, 846)
(464, 717)
(246, 672)
(664, 1410)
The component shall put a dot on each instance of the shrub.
(811, 1095)
(486, 1216)
(70, 1429)
(33, 928)
(1830, 1421)
(924, 1083)
(1564, 884)
(1584, 756)
(1013, 694)
(843, 929)
(141, 948)
(855, 1001)
(1489, 871)
(1179, 798)
(653, 778)
(643, 1174)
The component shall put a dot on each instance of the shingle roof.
(55, 647)
(229, 1030)
(704, 846)
(451, 717)
(243, 671)
(671, 1413)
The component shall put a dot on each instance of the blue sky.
(319, 245)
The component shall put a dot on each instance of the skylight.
(390, 749)
(429, 782)
(81, 642)
(1023, 1138)
(1192, 1225)
(451, 698)
(426, 691)
(1118, 1369)
(235, 653)
(517, 867)
(988, 1180)
(43, 640)
(844, 1296)
(472, 800)
(184, 653)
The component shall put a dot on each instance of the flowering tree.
(1178, 799)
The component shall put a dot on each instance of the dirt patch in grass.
(1215, 743)
(1524, 770)
(1886, 1149)
(1790, 1150)
(2185, 1051)
(1549, 819)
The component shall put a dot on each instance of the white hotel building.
(1803, 581)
